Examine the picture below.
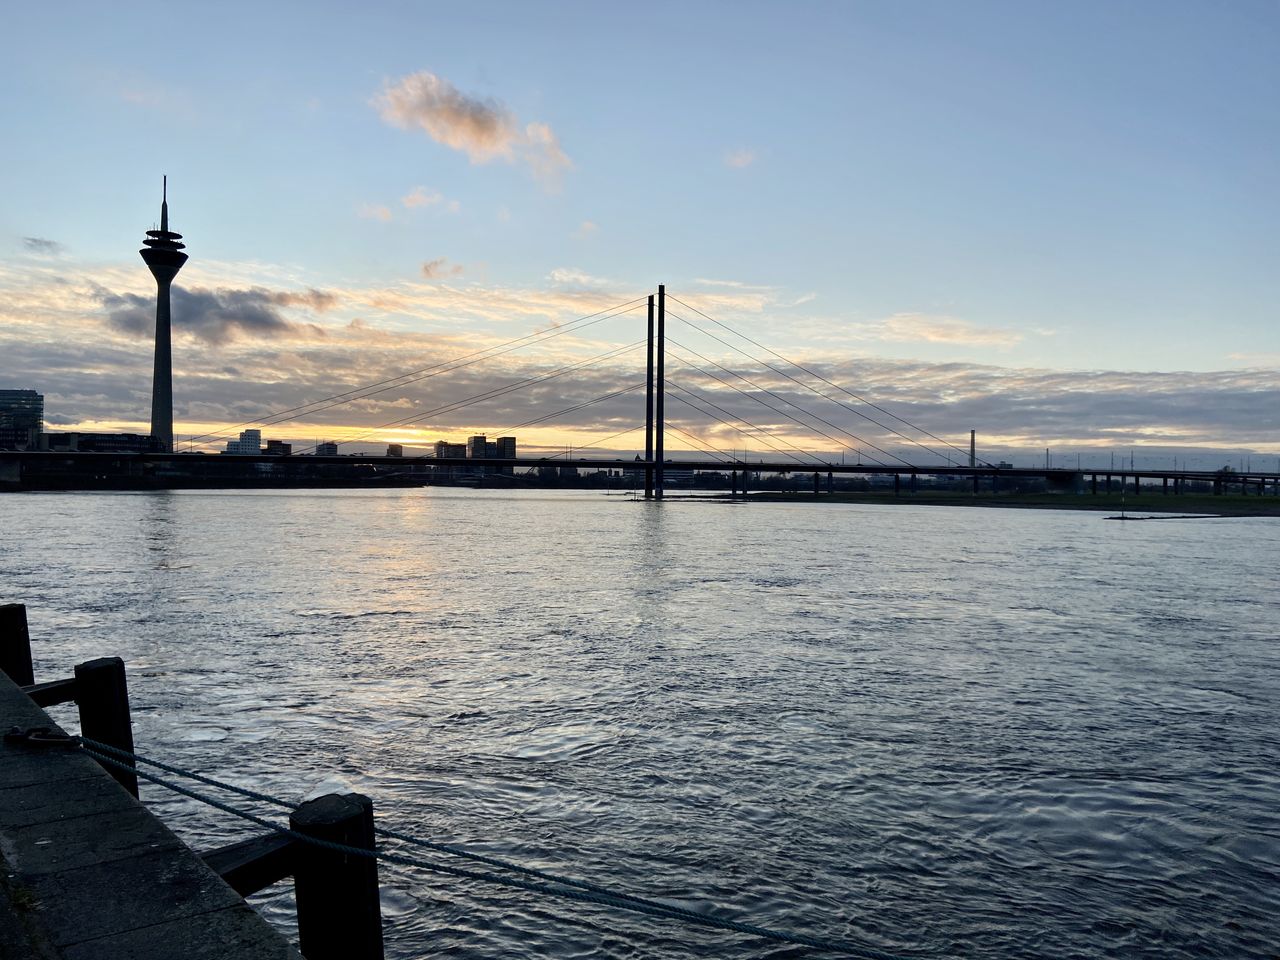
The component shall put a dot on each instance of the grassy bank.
(1232, 505)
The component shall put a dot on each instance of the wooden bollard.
(339, 916)
(103, 700)
(15, 644)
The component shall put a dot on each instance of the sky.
(1053, 223)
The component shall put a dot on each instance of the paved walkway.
(87, 873)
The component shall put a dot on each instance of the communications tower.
(163, 255)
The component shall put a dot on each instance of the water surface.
(935, 731)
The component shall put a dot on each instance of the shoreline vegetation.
(1195, 506)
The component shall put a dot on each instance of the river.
(933, 731)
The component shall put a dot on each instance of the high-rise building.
(21, 419)
(278, 448)
(326, 449)
(250, 442)
(506, 447)
(164, 257)
(395, 450)
(477, 447)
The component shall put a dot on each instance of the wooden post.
(15, 644)
(103, 700)
(339, 917)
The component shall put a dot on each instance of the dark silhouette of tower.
(163, 255)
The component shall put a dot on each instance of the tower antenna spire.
(163, 254)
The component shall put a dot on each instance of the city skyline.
(1051, 226)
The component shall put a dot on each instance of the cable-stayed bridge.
(828, 412)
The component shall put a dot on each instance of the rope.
(563, 887)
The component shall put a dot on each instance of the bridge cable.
(764, 434)
(779, 397)
(812, 373)
(706, 445)
(575, 408)
(782, 399)
(776, 410)
(814, 390)
(456, 363)
(451, 369)
(698, 443)
(597, 441)
(492, 394)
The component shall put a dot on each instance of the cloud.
(738, 159)
(421, 197)
(216, 316)
(1256, 359)
(568, 277)
(42, 247)
(485, 130)
(441, 269)
(372, 211)
(317, 300)
(586, 229)
(917, 327)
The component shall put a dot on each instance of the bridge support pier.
(1166, 486)
(1094, 489)
(831, 482)
(1108, 484)
(897, 485)
(913, 483)
(1137, 484)
(816, 490)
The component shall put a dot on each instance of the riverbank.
(1204, 505)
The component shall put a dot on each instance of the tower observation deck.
(163, 255)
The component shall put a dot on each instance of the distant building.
(446, 449)
(98, 443)
(21, 419)
(279, 448)
(395, 450)
(326, 449)
(477, 447)
(250, 442)
(505, 447)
